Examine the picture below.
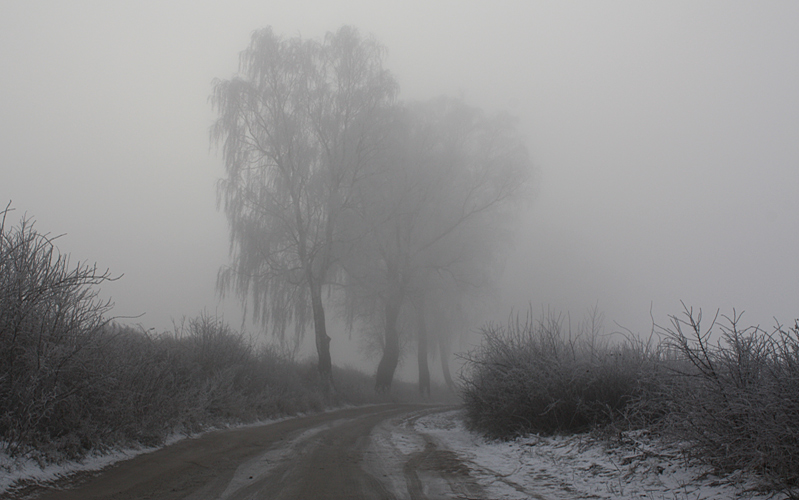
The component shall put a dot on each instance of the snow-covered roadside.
(15, 471)
(580, 467)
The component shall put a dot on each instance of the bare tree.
(297, 127)
(448, 177)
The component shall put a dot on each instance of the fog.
(665, 138)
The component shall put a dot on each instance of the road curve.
(358, 453)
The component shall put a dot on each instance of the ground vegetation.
(727, 395)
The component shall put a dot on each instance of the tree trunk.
(443, 348)
(322, 339)
(390, 359)
(421, 332)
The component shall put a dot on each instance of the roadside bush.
(540, 377)
(735, 400)
(51, 332)
(138, 388)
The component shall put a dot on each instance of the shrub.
(735, 400)
(539, 377)
(51, 325)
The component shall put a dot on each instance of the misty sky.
(665, 136)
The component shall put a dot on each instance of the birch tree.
(297, 127)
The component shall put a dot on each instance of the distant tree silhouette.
(434, 210)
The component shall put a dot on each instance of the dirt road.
(360, 453)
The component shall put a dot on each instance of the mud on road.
(360, 453)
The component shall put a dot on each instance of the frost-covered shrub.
(537, 376)
(52, 325)
(733, 394)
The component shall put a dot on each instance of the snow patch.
(14, 471)
(579, 466)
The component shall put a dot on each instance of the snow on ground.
(26, 469)
(544, 468)
(574, 467)
(13, 470)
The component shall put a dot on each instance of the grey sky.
(666, 136)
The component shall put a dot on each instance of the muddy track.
(360, 453)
